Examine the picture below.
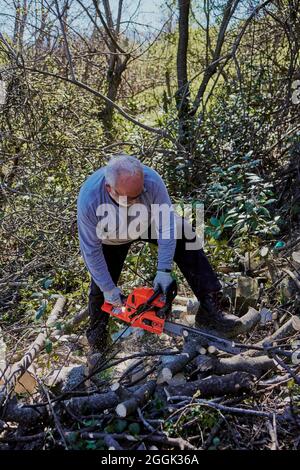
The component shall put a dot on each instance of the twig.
(227, 409)
(272, 428)
(287, 368)
(177, 442)
(145, 423)
(33, 437)
(292, 276)
(63, 30)
(55, 417)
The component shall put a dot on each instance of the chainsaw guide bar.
(149, 309)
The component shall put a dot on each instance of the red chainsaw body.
(129, 312)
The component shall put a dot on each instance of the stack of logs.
(197, 373)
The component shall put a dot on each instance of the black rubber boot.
(211, 315)
(98, 330)
(98, 335)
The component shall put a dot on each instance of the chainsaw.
(150, 310)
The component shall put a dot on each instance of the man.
(115, 208)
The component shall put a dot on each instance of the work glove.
(162, 280)
(114, 297)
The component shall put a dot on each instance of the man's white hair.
(120, 164)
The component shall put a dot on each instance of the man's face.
(128, 189)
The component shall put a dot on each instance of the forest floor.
(163, 392)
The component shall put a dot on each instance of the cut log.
(190, 350)
(253, 365)
(178, 379)
(92, 404)
(26, 383)
(121, 392)
(247, 323)
(22, 414)
(138, 398)
(250, 320)
(203, 363)
(233, 384)
(115, 386)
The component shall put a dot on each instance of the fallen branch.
(247, 322)
(287, 368)
(253, 365)
(92, 404)
(22, 414)
(227, 409)
(190, 350)
(139, 397)
(284, 331)
(18, 369)
(234, 383)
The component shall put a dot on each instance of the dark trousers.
(193, 264)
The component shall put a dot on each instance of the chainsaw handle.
(170, 293)
(155, 294)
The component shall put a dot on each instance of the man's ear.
(108, 187)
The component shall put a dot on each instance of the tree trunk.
(183, 93)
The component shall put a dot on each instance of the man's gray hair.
(120, 164)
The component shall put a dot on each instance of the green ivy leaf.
(47, 283)
(217, 234)
(120, 425)
(36, 295)
(279, 245)
(216, 441)
(109, 428)
(48, 346)
(214, 221)
(91, 445)
(265, 212)
(134, 428)
(271, 201)
(41, 310)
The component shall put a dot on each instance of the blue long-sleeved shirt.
(101, 220)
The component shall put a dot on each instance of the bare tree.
(183, 92)
(216, 58)
(117, 60)
(21, 11)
